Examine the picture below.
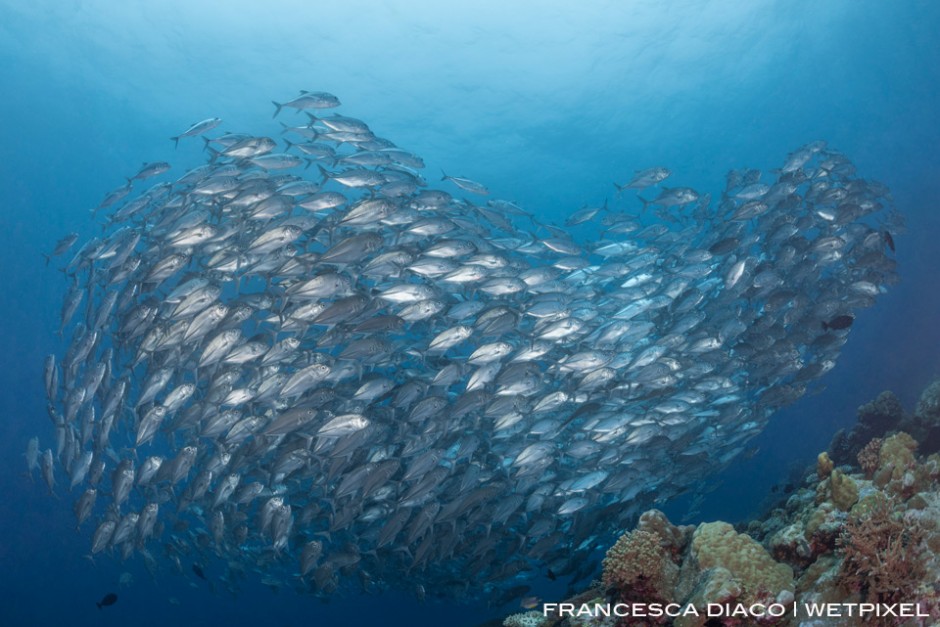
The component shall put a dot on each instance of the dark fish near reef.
(838, 323)
(106, 600)
(889, 240)
(343, 378)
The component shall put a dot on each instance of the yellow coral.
(844, 490)
(717, 545)
(896, 456)
(824, 465)
(635, 555)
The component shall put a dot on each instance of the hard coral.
(869, 456)
(844, 490)
(875, 419)
(824, 465)
(883, 560)
(717, 546)
(524, 619)
(636, 566)
(895, 459)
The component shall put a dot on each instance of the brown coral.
(869, 457)
(882, 556)
(824, 465)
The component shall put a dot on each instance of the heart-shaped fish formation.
(344, 373)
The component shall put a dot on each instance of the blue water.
(545, 104)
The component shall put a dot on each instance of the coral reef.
(866, 537)
(639, 568)
(824, 465)
(881, 555)
(859, 528)
(869, 457)
(875, 419)
(525, 619)
(843, 489)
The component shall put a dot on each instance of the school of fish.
(340, 377)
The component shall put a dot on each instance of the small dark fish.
(199, 573)
(551, 574)
(889, 240)
(838, 323)
(109, 599)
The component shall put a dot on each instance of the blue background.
(546, 103)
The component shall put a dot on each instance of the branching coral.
(883, 560)
(869, 457)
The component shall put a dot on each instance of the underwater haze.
(547, 105)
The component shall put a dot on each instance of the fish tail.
(646, 203)
(176, 141)
(48, 258)
(98, 604)
(324, 173)
(825, 325)
(288, 144)
(444, 176)
(620, 189)
(277, 109)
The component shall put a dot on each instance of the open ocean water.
(545, 103)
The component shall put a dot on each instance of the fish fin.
(277, 108)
